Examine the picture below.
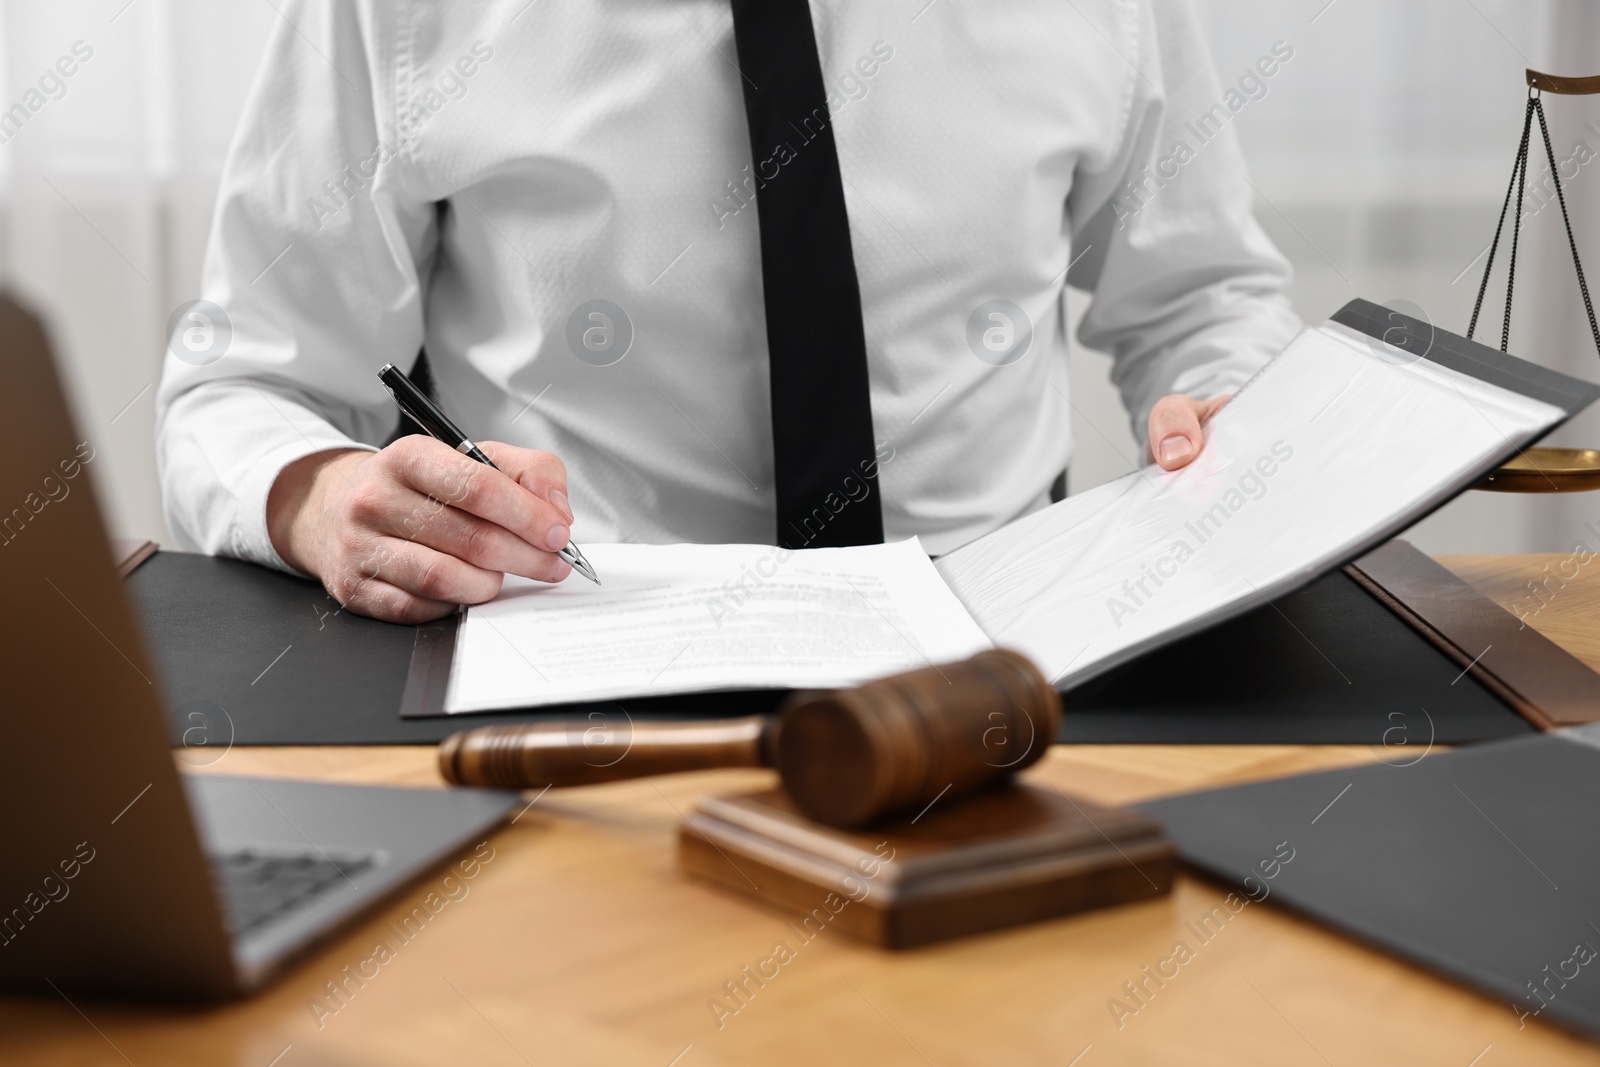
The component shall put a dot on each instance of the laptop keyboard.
(260, 886)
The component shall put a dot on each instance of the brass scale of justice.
(1540, 469)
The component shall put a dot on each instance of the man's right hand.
(408, 533)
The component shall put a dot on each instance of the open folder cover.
(1359, 428)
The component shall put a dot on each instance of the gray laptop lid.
(103, 883)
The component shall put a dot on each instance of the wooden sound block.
(1011, 855)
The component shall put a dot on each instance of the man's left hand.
(1176, 430)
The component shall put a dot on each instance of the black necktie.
(826, 474)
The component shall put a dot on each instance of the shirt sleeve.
(310, 281)
(1187, 292)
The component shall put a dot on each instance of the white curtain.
(106, 191)
(1380, 152)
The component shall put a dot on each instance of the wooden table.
(579, 943)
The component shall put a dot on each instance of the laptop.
(119, 874)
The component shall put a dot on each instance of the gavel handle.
(534, 755)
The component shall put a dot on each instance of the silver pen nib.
(574, 557)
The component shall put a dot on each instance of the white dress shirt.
(469, 176)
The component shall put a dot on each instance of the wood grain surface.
(580, 943)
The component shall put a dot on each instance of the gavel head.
(850, 756)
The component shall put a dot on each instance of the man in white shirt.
(556, 201)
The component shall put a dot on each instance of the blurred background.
(1380, 155)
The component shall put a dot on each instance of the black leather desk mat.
(1478, 863)
(253, 657)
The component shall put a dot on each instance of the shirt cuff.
(250, 540)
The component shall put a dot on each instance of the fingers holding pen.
(495, 496)
(432, 523)
(410, 531)
(540, 473)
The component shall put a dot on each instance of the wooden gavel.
(846, 756)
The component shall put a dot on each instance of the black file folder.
(1479, 864)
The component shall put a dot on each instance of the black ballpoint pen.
(416, 406)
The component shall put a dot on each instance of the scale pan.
(1547, 470)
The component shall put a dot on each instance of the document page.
(692, 618)
(1339, 442)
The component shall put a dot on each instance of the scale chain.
(1518, 184)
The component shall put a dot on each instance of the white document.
(1338, 440)
(692, 618)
